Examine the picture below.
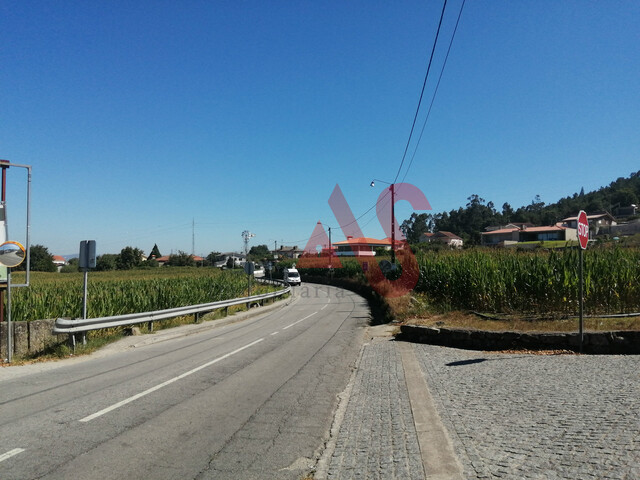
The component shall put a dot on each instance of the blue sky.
(139, 118)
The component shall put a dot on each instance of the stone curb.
(616, 342)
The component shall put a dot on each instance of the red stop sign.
(583, 229)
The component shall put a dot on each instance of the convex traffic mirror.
(12, 254)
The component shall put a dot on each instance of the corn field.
(534, 282)
(53, 295)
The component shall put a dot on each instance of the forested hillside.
(470, 221)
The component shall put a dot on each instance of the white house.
(447, 238)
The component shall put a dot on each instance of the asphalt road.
(252, 399)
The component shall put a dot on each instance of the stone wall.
(29, 337)
(630, 228)
(620, 342)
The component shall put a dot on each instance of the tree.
(155, 251)
(259, 252)
(469, 222)
(416, 226)
(41, 260)
(151, 263)
(106, 262)
(624, 197)
(129, 258)
(69, 268)
(507, 213)
(214, 257)
(181, 259)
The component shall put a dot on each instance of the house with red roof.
(362, 247)
(165, 258)
(513, 235)
(59, 261)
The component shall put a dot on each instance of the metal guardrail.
(81, 325)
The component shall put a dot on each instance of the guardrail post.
(150, 325)
(196, 317)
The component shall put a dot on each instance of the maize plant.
(53, 295)
(532, 281)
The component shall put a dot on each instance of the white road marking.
(164, 384)
(326, 305)
(301, 320)
(275, 333)
(10, 453)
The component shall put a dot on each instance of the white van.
(291, 276)
(258, 272)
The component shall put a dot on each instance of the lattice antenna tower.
(246, 235)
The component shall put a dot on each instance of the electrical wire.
(424, 84)
(433, 49)
(433, 97)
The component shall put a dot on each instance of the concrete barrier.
(29, 337)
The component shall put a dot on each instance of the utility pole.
(193, 237)
(392, 188)
(393, 224)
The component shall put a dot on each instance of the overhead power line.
(424, 84)
(386, 198)
(433, 97)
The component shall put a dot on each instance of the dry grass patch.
(520, 324)
(414, 309)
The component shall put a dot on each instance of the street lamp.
(393, 219)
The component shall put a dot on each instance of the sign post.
(11, 255)
(86, 260)
(249, 268)
(583, 239)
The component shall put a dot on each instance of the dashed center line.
(164, 384)
(275, 333)
(301, 320)
(10, 453)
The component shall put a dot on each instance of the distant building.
(59, 261)
(165, 258)
(239, 259)
(513, 235)
(288, 252)
(448, 238)
(360, 247)
(624, 212)
(599, 223)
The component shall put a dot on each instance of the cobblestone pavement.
(516, 416)
(377, 437)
